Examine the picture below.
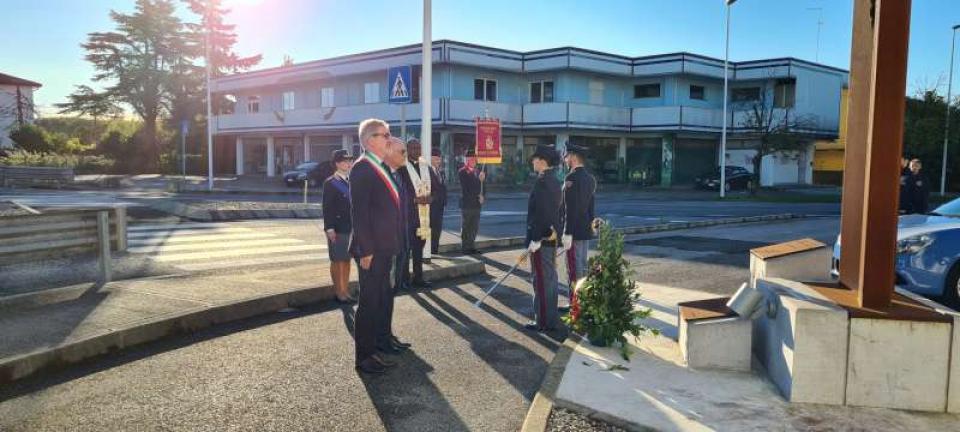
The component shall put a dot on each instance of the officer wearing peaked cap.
(577, 215)
(543, 228)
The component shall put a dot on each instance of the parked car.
(928, 254)
(736, 178)
(313, 172)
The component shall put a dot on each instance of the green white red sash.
(385, 176)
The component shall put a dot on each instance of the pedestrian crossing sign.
(398, 82)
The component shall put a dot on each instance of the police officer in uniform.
(579, 188)
(543, 226)
(438, 199)
(336, 222)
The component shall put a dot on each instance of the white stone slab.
(898, 364)
(803, 345)
(722, 343)
(953, 392)
(807, 266)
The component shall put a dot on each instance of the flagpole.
(426, 99)
(206, 46)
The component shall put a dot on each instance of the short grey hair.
(368, 127)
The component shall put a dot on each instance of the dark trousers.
(436, 228)
(468, 229)
(543, 269)
(374, 317)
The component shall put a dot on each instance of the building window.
(785, 93)
(541, 91)
(326, 97)
(697, 92)
(747, 94)
(485, 89)
(641, 91)
(288, 101)
(253, 104)
(371, 92)
(596, 92)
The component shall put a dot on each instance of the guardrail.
(16, 174)
(62, 233)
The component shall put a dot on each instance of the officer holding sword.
(543, 230)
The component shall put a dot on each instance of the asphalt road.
(470, 368)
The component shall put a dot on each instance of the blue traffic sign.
(399, 84)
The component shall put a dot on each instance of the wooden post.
(881, 31)
(120, 213)
(103, 254)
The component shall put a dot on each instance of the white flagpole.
(426, 99)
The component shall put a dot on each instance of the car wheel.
(951, 288)
(749, 185)
(726, 187)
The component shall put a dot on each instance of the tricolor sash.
(387, 179)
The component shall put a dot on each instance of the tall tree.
(86, 101)
(774, 129)
(140, 62)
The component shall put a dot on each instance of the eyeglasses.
(385, 135)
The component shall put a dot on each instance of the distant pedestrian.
(471, 200)
(543, 231)
(917, 190)
(903, 206)
(579, 188)
(375, 216)
(336, 222)
(438, 199)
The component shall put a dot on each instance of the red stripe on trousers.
(572, 274)
(538, 286)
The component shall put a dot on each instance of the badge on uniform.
(567, 184)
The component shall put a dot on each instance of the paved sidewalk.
(69, 324)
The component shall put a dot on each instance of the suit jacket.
(470, 186)
(374, 214)
(336, 205)
(407, 198)
(578, 199)
(543, 207)
(438, 196)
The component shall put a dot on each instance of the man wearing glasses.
(375, 216)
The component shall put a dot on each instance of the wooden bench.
(10, 175)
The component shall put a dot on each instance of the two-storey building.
(652, 120)
(16, 105)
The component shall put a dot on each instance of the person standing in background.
(471, 200)
(438, 199)
(336, 222)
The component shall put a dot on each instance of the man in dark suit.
(471, 185)
(543, 226)
(336, 223)
(916, 191)
(577, 213)
(438, 199)
(375, 216)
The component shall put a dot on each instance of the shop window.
(642, 91)
(697, 92)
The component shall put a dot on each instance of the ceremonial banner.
(488, 141)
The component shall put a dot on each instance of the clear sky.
(42, 37)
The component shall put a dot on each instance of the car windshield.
(951, 209)
(306, 166)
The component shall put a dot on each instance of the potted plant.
(602, 307)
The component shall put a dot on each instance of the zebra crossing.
(211, 246)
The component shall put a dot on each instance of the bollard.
(103, 235)
(305, 183)
(121, 214)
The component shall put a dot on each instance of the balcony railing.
(320, 118)
(529, 116)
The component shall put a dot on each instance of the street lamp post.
(206, 46)
(946, 128)
(723, 133)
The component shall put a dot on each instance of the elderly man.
(375, 216)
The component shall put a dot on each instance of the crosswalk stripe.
(190, 256)
(191, 231)
(160, 239)
(220, 245)
(252, 262)
(162, 227)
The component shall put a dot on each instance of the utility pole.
(819, 26)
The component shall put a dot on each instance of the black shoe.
(371, 366)
(389, 349)
(346, 301)
(532, 325)
(420, 283)
(396, 342)
(383, 361)
(427, 261)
